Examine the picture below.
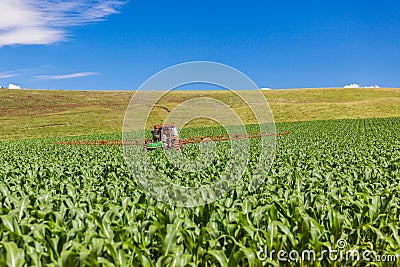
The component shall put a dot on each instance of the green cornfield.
(334, 186)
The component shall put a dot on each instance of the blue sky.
(112, 44)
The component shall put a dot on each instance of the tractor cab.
(164, 137)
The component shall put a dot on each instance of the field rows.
(80, 205)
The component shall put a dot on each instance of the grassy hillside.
(34, 113)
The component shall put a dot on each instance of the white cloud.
(7, 74)
(45, 21)
(13, 86)
(30, 35)
(265, 88)
(373, 86)
(66, 76)
(355, 85)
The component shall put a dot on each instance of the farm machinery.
(163, 137)
(167, 137)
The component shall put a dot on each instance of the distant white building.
(266, 88)
(14, 86)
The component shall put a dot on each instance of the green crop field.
(334, 184)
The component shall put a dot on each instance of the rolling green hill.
(44, 113)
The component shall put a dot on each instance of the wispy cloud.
(7, 74)
(66, 76)
(45, 21)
